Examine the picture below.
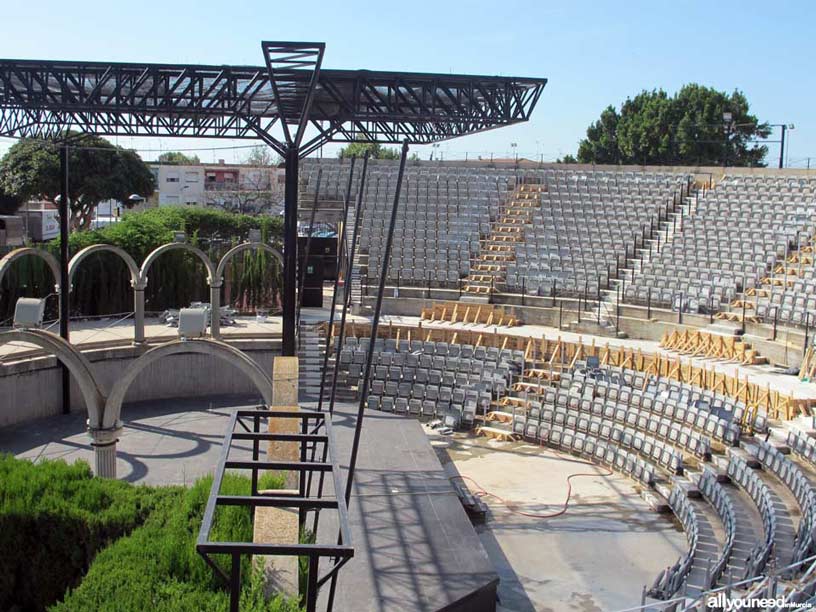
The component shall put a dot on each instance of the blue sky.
(593, 53)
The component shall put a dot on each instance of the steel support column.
(358, 426)
(290, 236)
(64, 281)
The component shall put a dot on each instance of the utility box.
(41, 224)
(313, 283)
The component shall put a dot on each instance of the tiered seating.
(793, 477)
(715, 495)
(588, 223)
(740, 473)
(711, 260)
(671, 579)
(430, 378)
(786, 295)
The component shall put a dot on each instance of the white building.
(235, 187)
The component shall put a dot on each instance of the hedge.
(72, 542)
(54, 518)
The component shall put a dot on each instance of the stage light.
(29, 313)
(192, 323)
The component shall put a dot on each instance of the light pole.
(514, 145)
(728, 124)
(435, 148)
(785, 127)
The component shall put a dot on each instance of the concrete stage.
(415, 548)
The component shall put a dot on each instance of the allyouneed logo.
(721, 601)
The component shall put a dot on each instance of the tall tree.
(98, 171)
(375, 151)
(262, 156)
(685, 129)
(177, 158)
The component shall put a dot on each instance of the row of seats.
(794, 478)
(716, 496)
(742, 474)
(599, 418)
(712, 261)
(671, 579)
(605, 452)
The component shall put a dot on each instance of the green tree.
(262, 156)
(176, 158)
(685, 129)
(98, 171)
(375, 151)
(567, 159)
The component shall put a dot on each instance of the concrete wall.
(31, 388)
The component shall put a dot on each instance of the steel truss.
(291, 104)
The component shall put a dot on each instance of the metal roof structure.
(277, 103)
(289, 103)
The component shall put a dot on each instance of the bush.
(54, 518)
(157, 567)
(102, 544)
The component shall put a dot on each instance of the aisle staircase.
(311, 347)
(488, 269)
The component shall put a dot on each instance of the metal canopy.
(290, 103)
(40, 98)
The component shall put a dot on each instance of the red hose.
(481, 492)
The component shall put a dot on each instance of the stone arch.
(218, 279)
(76, 362)
(16, 254)
(172, 246)
(221, 350)
(131, 264)
(245, 246)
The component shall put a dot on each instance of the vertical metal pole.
(235, 583)
(347, 285)
(680, 310)
(374, 326)
(776, 311)
(807, 331)
(648, 303)
(342, 248)
(311, 588)
(290, 223)
(308, 247)
(782, 147)
(64, 282)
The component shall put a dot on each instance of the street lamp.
(435, 146)
(513, 145)
(727, 123)
(785, 127)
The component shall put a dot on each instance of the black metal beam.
(64, 280)
(42, 98)
(290, 236)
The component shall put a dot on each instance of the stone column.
(138, 314)
(215, 305)
(104, 442)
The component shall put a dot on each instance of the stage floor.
(415, 548)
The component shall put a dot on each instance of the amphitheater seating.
(741, 474)
(714, 493)
(793, 477)
(671, 579)
(587, 224)
(430, 378)
(709, 262)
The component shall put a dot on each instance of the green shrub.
(157, 566)
(54, 517)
